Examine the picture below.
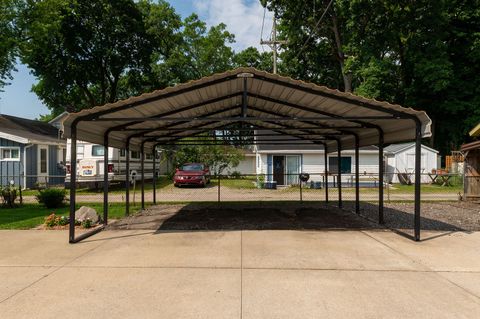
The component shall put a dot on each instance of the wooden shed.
(471, 152)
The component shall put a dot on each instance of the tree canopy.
(8, 39)
(422, 54)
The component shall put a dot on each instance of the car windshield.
(192, 167)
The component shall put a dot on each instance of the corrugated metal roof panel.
(272, 95)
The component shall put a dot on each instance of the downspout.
(25, 165)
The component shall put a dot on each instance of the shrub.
(51, 220)
(260, 181)
(87, 223)
(235, 175)
(63, 220)
(52, 197)
(8, 194)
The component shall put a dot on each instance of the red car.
(192, 174)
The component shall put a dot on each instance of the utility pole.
(273, 43)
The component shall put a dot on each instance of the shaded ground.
(453, 216)
(447, 216)
(243, 216)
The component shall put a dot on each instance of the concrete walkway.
(239, 274)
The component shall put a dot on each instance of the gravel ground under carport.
(444, 216)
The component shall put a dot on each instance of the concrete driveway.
(239, 274)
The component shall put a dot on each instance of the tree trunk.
(347, 77)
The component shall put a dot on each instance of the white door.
(42, 168)
(292, 169)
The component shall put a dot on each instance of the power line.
(315, 28)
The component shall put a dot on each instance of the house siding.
(31, 154)
(11, 170)
(54, 169)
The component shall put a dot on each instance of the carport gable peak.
(176, 100)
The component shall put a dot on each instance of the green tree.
(201, 52)
(81, 50)
(250, 57)
(8, 42)
(421, 54)
(217, 157)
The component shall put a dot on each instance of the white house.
(283, 163)
(400, 159)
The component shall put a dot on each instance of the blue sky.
(242, 17)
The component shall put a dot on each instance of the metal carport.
(299, 110)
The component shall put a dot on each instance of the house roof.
(29, 131)
(396, 148)
(246, 95)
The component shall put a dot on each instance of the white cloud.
(242, 17)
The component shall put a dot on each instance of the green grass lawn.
(162, 182)
(31, 215)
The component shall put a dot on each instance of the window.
(192, 167)
(345, 165)
(98, 150)
(43, 160)
(135, 154)
(80, 149)
(10, 154)
(122, 152)
(149, 156)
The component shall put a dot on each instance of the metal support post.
(105, 178)
(73, 181)
(326, 173)
(154, 175)
(357, 175)
(301, 195)
(142, 152)
(418, 163)
(380, 178)
(219, 188)
(127, 178)
(339, 172)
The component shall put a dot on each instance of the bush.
(260, 181)
(51, 220)
(63, 220)
(8, 194)
(235, 175)
(87, 223)
(52, 197)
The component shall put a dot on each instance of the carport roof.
(302, 110)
